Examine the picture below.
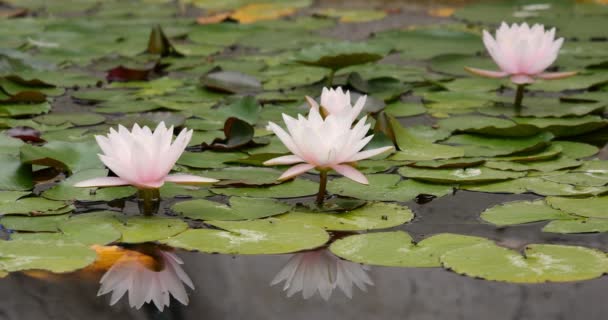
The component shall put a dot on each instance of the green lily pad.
(292, 189)
(576, 150)
(459, 176)
(55, 256)
(386, 187)
(145, 229)
(208, 159)
(558, 163)
(73, 156)
(66, 190)
(337, 55)
(236, 209)
(244, 176)
(586, 179)
(589, 207)
(268, 236)
(372, 216)
(540, 263)
(34, 224)
(550, 152)
(397, 249)
(34, 206)
(74, 118)
(519, 212)
(581, 225)
(536, 185)
(564, 127)
(174, 190)
(489, 146)
(413, 148)
(448, 163)
(13, 174)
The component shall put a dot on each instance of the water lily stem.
(148, 201)
(519, 96)
(322, 187)
(330, 78)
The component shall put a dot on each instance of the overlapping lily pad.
(397, 249)
(236, 209)
(376, 215)
(268, 236)
(540, 263)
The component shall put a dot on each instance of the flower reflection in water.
(320, 271)
(150, 277)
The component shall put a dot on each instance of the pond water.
(484, 207)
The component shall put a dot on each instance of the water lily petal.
(556, 75)
(521, 79)
(487, 73)
(296, 170)
(350, 173)
(289, 159)
(188, 179)
(102, 182)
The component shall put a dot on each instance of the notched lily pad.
(397, 249)
(518, 212)
(540, 263)
(372, 216)
(459, 176)
(55, 256)
(268, 236)
(236, 209)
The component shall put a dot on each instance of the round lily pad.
(543, 166)
(34, 206)
(397, 249)
(33, 224)
(490, 146)
(580, 225)
(386, 187)
(337, 55)
(540, 263)
(518, 212)
(460, 176)
(268, 236)
(66, 190)
(376, 215)
(292, 189)
(55, 256)
(589, 207)
(236, 209)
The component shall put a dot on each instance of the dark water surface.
(238, 287)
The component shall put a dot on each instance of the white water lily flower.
(522, 53)
(142, 158)
(322, 272)
(337, 102)
(144, 284)
(324, 144)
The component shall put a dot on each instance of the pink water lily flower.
(337, 102)
(522, 53)
(320, 271)
(324, 144)
(142, 158)
(145, 285)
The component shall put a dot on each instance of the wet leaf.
(413, 148)
(540, 263)
(268, 236)
(372, 216)
(236, 209)
(54, 256)
(71, 156)
(231, 82)
(386, 187)
(13, 174)
(292, 189)
(590, 207)
(459, 176)
(338, 55)
(518, 212)
(580, 225)
(397, 249)
(65, 190)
